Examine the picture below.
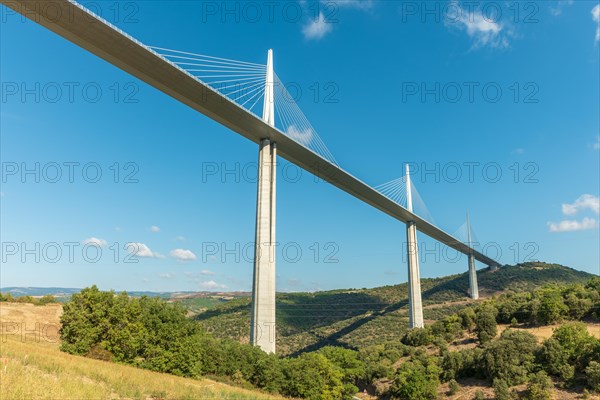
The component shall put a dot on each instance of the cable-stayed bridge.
(250, 99)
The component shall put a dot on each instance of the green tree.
(268, 374)
(416, 380)
(539, 387)
(578, 346)
(555, 360)
(486, 326)
(417, 337)
(461, 364)
(85, 320)
(501, 390)
(552, 306)
(592, 373)
(511, 357)
(453, 387)
(348, 362)
(467, 318)
(312, 376)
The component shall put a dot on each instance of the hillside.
(360, 317)
(37, 369)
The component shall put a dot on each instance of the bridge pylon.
(415, 304)
(262, 320)
(473, 286)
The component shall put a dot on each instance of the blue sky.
(482, 91)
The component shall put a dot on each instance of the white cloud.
(180, 238)
(168, 275)
(357, 4)
(206, 272)
(303, 136)
(585, 202)
(518, 151)
(596, 145)
(558, 7)
(596, 18)
(154, 228)
(141, 250)
(182, 255)
(572, 226)
(317, 28)
(211, 285)
(95, 242)
(484, 31)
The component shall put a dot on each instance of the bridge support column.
(415, 304)
(262, 319)
(473, 287)
(262, 333)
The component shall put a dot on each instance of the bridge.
(228, 91)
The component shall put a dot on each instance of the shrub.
(501, 389)
(417, 337)
(453, 387)
(510, 357)
(312, 376)
(539, 387)
(461, 364)
(486, 327)
(592, 373)
(416, 380)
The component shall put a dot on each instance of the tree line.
(154, 334)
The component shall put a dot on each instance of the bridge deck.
(128, 54)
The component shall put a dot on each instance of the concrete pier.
(473, 286)
(262, 322)
(262, 319)
(415, 304)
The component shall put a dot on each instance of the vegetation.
(156, 335)
(38, 370)
(417, 379)
(333, 359)
(8, 297)
(359, 318)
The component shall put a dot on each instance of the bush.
(416, 380)
(539, 387)
(555, 360)
(486, 327)
(312, 376)
(347, 361)
(592, 373)
(462, 364)
(510, 357)
(573, 346)
(501, 389)
(453, 387)
(552, 307)
(417, 337)
(467, 318)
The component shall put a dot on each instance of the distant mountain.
(67, 292)
(360, 317)
(36, 291)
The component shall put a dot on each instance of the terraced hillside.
(360, 317)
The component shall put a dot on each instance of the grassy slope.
(36, 369)
(356, 318)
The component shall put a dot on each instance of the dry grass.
(32, 367)
(544, 332)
